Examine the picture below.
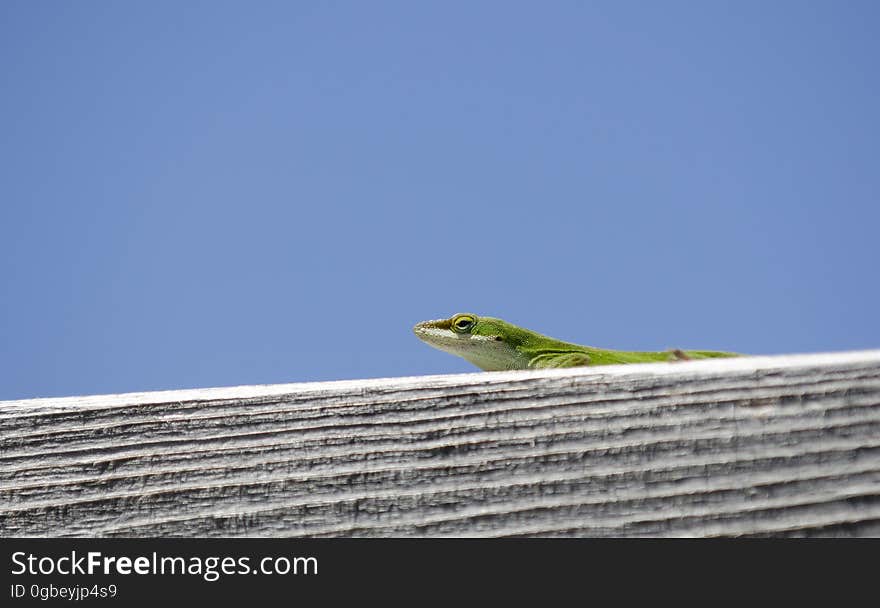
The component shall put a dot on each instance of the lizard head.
(488, 343)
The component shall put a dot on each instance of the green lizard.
(493, 345)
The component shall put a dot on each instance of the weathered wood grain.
(754, 446)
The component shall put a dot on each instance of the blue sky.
(200, 194)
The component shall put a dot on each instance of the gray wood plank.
(786, 445)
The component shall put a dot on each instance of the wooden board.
(786, 445)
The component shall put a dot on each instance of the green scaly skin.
(495, 345)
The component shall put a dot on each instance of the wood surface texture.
(784, 445)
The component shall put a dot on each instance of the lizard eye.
(462, 323)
